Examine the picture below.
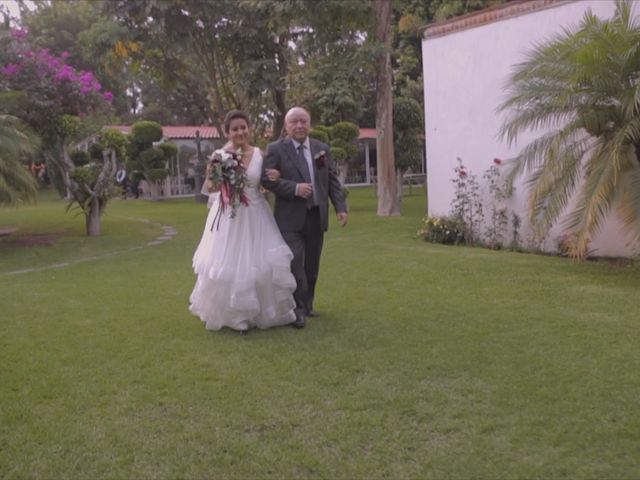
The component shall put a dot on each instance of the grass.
(428, 361)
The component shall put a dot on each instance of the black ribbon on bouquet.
(218, 216)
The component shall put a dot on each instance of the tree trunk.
(153, 189)
(93, 219)
(280, 93)
(387, 187)
(400, 183)
(343, 170)
(281, 111)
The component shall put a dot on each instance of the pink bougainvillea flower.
(19, 33)
(87, 78)
(66, 73)
(108, 96)
(10, 69)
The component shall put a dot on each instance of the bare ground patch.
(29, 240)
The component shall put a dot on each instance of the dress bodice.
(254, 173)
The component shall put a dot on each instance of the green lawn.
(427, 362)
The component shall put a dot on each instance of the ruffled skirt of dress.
(243, 269)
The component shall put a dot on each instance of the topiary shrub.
(95, 151)
(145, 132)
(320, 135)
(146, 160)
(79, 157)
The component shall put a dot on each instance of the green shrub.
(320, 135)
(115, 139)
(146, 132)
(169, 150)
(154, 174)
(86, 175)
(152, 158)
(95, 151)
(325, 129)
(347, 131)
(338, 154)
(80, 157)
(445, 230)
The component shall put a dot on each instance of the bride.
(242, 264)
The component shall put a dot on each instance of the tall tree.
(87, 37)
(388, 203)
(408, 137)
(92, 177)
(581, 89)
(242, 53)
(51, 96)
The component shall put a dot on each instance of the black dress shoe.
(299, 323)
(312, 313)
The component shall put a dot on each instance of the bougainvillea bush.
(48, 85)
(54, 99)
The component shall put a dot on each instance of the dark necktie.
(305, 169)
(303, 163)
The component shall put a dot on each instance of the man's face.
(297, 124)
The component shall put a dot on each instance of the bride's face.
(238, 133)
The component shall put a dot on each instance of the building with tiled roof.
(172, 132)
(466, 63)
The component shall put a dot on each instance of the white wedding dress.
(244, 278)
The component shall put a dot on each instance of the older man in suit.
(307, 182)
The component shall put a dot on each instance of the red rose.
(320, 159)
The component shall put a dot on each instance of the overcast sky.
(12, 6)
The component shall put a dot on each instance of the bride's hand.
(272, 174)
(211, 187)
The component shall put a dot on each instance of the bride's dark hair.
(232, 115)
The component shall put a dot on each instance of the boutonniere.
(321, 159)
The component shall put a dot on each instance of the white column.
(366, 162)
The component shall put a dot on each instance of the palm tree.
(17, 185)
(582, 91)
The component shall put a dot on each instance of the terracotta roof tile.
(368, 133)
(489, 15)
(182, 131)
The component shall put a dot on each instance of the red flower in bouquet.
(228, 172)
(321, 159)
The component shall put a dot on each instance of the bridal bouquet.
(227, 171)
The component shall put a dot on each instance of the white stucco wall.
(464, 76)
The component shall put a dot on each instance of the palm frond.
(598, 192)
(17, 185)
(571, 141)
(554, 183)
(584, 86)
(629, 203)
